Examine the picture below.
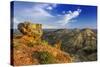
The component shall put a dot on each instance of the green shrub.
(44, 42)
(32, 43)
(44, 57)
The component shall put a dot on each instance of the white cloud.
(54, 5)
(64, 12)
(69, 16)
(36, 11)
(69, 11)
(45, 26)
(38, 14)
(49, 8)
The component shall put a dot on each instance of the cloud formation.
(46, 26)
(70, 16)
(38, 14)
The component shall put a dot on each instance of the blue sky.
(55, 16)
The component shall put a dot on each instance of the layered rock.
(84, 38)
(31, 32)
(30, 29)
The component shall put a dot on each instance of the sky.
(55, 16)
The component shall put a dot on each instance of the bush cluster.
(44, 57)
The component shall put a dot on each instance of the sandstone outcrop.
(25, 47)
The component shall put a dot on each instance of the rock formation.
(30, 44)
(30, 29)
(31, 32)
(85, 37)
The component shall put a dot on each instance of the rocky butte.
(30, 49)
